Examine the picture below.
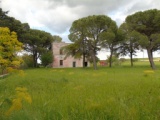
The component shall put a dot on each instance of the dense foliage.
(90, 34)
(13, 24)
(34, 41)
(146, 24)
(9, 46)
(46, 58)
(129, 45)
(87, 34)
(37, 42)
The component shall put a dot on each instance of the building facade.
(59, 58)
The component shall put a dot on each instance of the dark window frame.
(61, 52)
(61, 62)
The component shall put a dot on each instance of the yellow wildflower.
(71, 73)
(21, 94)
(22, 89)
(16, 105)
(21, 73)
(149, 71)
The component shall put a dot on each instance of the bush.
(122, 60)
(115, 60)
(135, 59)
(27, 61)
(47, 58)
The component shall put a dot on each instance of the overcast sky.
(56, 16)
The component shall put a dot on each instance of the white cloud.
(56, 16)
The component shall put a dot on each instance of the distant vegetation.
(89, 35)
(139, 31)
(36, 43)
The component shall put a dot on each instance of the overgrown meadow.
(118, 93)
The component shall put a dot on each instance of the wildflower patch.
(21, 94)
(148, 72)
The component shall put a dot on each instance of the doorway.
(74, 64)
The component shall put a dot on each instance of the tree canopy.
(9, 46)
(57, 38)
(36, 42)
(147, 24)
(87, 32)
(13, 24)
(46, 58)
(129, 44)
(90, 34)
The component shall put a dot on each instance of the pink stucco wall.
(68, 62)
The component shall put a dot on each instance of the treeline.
(89, 35)
(35, 42)
(139, 31)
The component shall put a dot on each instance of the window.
(86, 64)
(74, 64)
(61, 62)
(61, 52)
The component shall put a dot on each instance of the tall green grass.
(118, 93)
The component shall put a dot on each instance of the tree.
(46, 58)
(13, 24)
(57, 38)
(9, 46)
(110, 40)
(27, 61)
(146, 23)
(3, 14)
(75, 51)
(36, 42)
(72, 50)
(87, 31)
(77, 36)
(130, 43)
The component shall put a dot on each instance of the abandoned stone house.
(60, 60)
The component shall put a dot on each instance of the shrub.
(27, 61)
(135, 59)
(46, 58)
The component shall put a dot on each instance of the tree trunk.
(110, 59)
(84, 60)
(111, 55)
(84, 51)
(131, 59)
(94, 59)
(94, 62)
(34, 60)
(150, 57)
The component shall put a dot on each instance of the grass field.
(118, 93)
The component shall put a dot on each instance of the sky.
(57, 16)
